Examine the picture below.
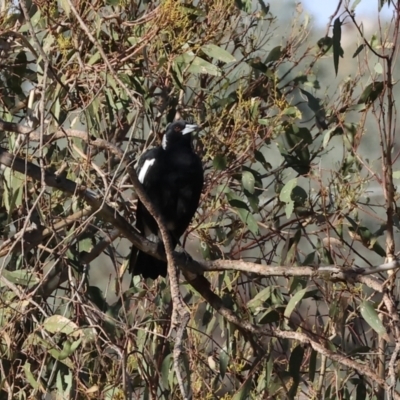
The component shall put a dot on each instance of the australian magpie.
(172, 176)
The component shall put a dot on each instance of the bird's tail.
(143, 264)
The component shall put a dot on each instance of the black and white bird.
(172, 177)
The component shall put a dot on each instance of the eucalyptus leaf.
(196, 65)
(336, 40)
(274, 55)
(371, 317)
(218, 53)
(248, 181)
(293, 302)
(60, 324)
(22, 277)
(286, 192)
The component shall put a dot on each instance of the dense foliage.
(298, 207)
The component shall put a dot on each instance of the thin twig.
(104, 56)
(202, 286)
(392, 372)
(110, 215)
(199, 283)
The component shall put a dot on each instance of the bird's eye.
(178, 129)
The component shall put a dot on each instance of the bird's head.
(177, 132)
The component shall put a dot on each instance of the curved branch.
(200, 283)
(202, 286)
(196, 267)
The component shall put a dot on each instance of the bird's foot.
(188, 257)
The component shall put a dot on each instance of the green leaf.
(312, 365)
(371, 317)
(285, 196)
(258, 66)
(29, 376)
(325, 43)
(65, 6)
(337, 49)
(22, 277)
(371, 92)
(86, 244)
(295, 135)
(289, 251)
(274, 55)
(310, 258)
(244, 5)
(13, 189)
(60, 324)
(210, 251)
(96, 295)
(20, 67)
(207, 317)
(377, 248)
(295, 361)
(110, 392)
(264, 7)
(312, 101)
(248, 219)
(261, 159)
(357, 351)
(378, 68)
(354, 5)
(357, 107)
(244, 391)
(196, 65)
(361, 392)
(220, 162)
(327, 257)
(320, 114)
(253, 201)
(382, 3)
(36, 18)
(236, 202)
(242, 210)
(218, 53)
(95, 57)
(358, 51)
(286, 192)
(68, 349)
(260, 298)
(64, 383)
(289, 208)
(293, 302)
(271, 315)
(224, 359)
(328, 136)
(248, 181)
(375, 41)
(166, 370)
(292, 111)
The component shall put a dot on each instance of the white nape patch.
(143, 171)
(189, 128)
(164, 142)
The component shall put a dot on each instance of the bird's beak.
(189, 129)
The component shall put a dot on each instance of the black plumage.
(172, 177)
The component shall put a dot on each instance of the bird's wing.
(148, 172)
(146, 162)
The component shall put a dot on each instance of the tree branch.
(197, 267)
